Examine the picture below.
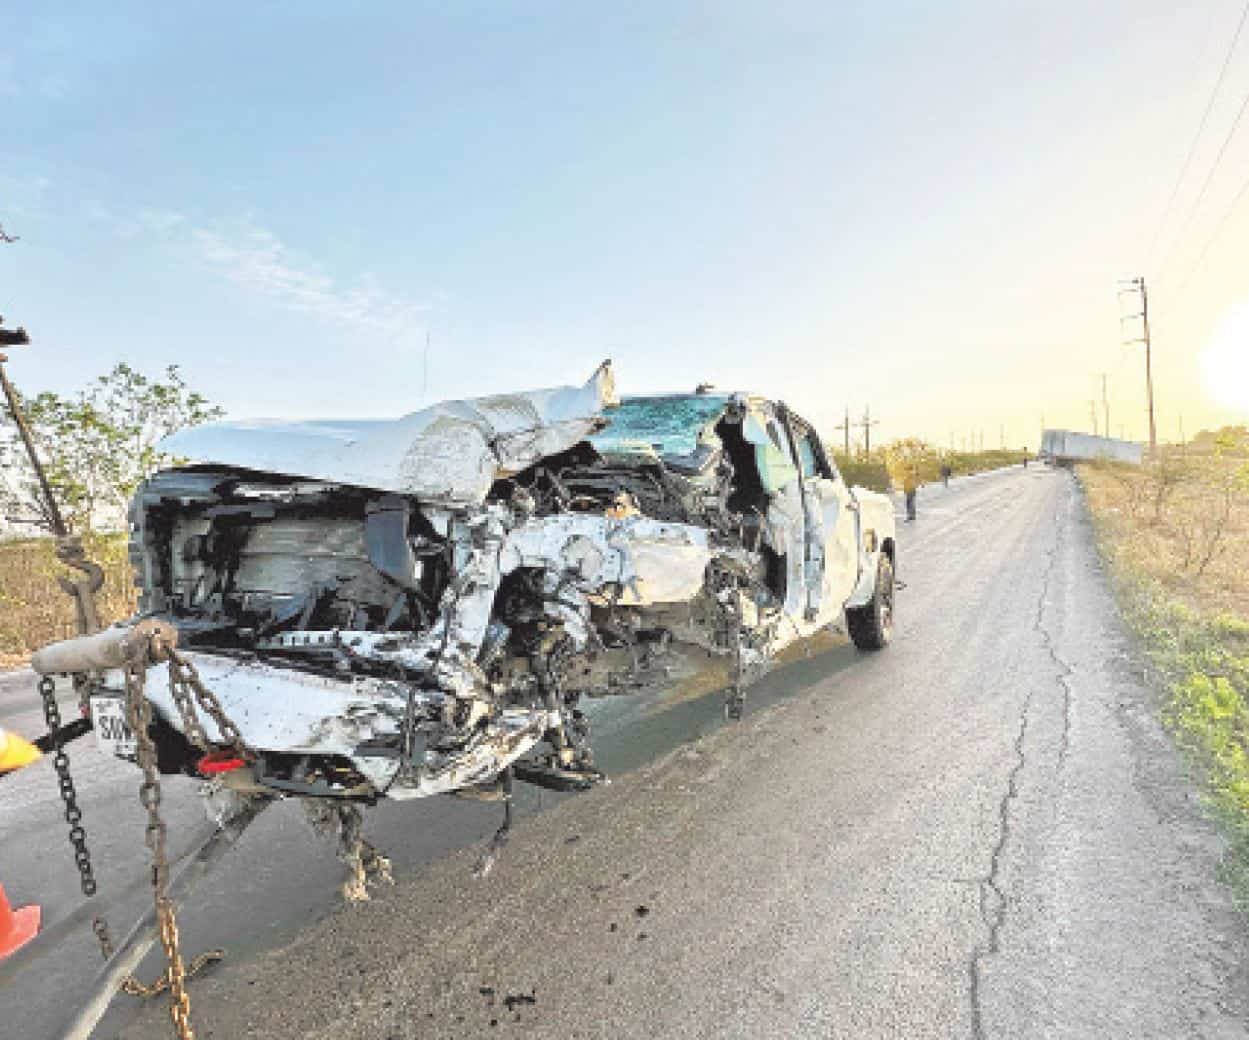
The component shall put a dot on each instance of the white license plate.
(113, 734)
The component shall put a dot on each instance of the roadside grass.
(1175, 534)
(33, 609)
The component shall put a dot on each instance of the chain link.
(65, 781)
(133, 987)
(73, 816)
(180, 690)
(185, 683)
(139, 717)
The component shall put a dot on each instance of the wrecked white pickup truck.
(413, 607)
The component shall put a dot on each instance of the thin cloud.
(257, 260)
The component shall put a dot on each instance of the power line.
(1218, 230)
(1205, 116)
(1206, 184)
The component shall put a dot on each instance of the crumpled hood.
(448, 453)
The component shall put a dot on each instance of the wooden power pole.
(1137, 287)
(844, 426)
(867, 424)
(1105, 408)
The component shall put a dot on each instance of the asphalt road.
(980, 832)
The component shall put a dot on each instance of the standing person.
(911, 463)
(946, 471)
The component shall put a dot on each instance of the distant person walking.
(946, 473)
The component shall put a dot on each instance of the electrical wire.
(1218, 229)
(1214, 167)
(1201, 126)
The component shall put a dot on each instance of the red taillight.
(219, 762)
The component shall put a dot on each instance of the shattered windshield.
(670, 425)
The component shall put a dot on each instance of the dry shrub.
(33, 609)
(1183, 521)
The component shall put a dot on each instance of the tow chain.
(73, 814)
(139, 717)
(188, 692)
(188, 689)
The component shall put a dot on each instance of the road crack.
(992, 898)
(1065, 671)
(993, 901)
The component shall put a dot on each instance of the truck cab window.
(807, 457)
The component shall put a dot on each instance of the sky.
(922, 209)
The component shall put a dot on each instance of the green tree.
(97, 445)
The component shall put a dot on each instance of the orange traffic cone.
(17, 927)
(15, 752)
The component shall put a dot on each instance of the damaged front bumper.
(355, 725)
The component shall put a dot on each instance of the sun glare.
(1225, 361)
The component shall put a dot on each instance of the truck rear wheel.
(871, 625)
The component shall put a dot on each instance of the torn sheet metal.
(652, 562)
(449, 453)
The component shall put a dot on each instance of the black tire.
(871, 625)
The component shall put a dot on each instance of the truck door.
(837, 517)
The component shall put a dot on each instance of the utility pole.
(18, 338)
(867, 424)
(1137, 286)
(68, 548)
(1149, 375)
(1105, 407)
(845, 428)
